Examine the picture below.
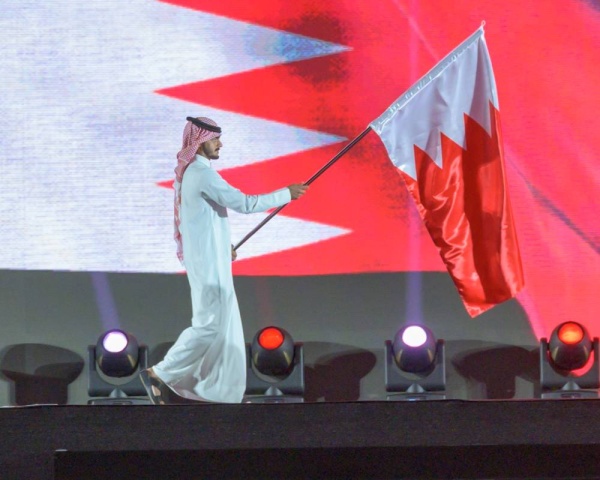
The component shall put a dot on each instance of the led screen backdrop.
(95, 95)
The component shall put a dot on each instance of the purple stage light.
(414, 336)
(414, 348)
(115, 341)
(415, 365)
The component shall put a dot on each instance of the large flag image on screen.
(95, 95)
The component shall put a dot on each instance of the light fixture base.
(120, 401)
(99, 386)
(570, 394)
(291, 385)
(414, 397)
(399, 381)
(554, 380)
(271, 399)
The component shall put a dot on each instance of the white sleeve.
(214, 187)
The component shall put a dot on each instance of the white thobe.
(208, 360)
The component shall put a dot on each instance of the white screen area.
(95, 96)
(86, 140)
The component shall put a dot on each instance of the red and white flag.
(444, 137)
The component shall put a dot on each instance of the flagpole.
(340, 154)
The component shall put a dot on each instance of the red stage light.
(569, 363)
(270, 338)
(275, 367)
(571, 333)
(570, 346)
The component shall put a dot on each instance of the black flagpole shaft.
(341, 153)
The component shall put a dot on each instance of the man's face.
(210, 148)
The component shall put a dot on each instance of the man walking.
(208, 360)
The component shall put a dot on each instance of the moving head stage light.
(569, 350)
(415, 365)
(275, 368)
(114, 364)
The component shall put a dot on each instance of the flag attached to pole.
(444, 137)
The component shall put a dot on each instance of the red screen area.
(292, 83)
(545, 62)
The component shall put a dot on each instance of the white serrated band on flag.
(416, 118)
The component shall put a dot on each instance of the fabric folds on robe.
(208, 360)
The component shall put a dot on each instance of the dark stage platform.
(424, 439)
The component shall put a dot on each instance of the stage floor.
(421, 439)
